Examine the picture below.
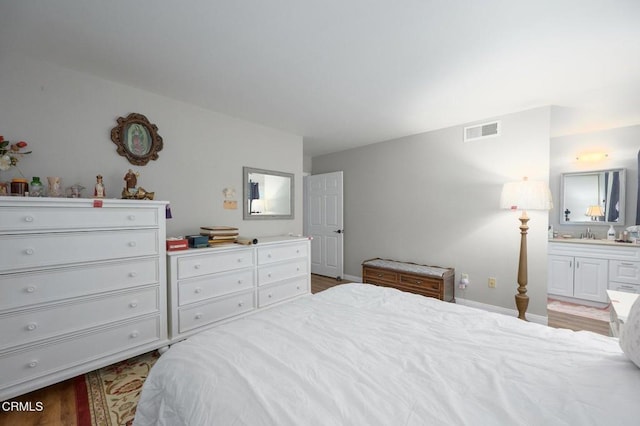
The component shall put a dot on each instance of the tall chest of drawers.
(82, 285)
(211, 285)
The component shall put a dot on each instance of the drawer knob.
(31, 289)
(298, 287)
(33, 364)
(132, 243)
(269, 274)
(28, 219)
(198, 316)
(418, 282)
(133, 274)
(241, 304)
(379, 275)
(269, 296)
(32, 326)
(29, 251)
(269, 255)
(198, 290)
(298, 251)
(133, 304)
(197, 266)
(132, 217)
(134, 334)
(239, 281)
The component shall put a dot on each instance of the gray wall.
(66, 117)
(432, 198)
(621, 145)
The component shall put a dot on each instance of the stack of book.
(220, 234)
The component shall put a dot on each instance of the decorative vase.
(55, 186)
(19, 187)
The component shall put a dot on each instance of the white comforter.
(358, 354)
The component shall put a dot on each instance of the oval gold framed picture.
(137, 139)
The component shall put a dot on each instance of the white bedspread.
(359, 354)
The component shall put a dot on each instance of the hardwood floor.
(59, 399)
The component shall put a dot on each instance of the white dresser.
(81, 286)
(586, 269)
(211, 285)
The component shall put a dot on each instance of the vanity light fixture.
(524, 195)
(592, 156)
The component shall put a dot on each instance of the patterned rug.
(109, 396)
(600, 314)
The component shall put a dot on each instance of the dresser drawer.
(195, 266)
(281, 271)
(372, 275)
(279, 292)
(26, 364)
(215, 310)
(30, 288)
(29, 326)
(624, 272)
(55, 218)
(280, 252)
(41, 250)
(423, 283)
(196, 289)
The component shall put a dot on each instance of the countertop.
(591, 241)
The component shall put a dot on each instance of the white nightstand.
(621, 303)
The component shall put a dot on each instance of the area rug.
(600, 314)
(109, 396)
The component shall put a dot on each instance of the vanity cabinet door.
(591, 277)
(560, 280)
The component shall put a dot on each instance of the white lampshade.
(526, 195)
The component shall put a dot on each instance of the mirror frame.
(622, 200)
(246, 171)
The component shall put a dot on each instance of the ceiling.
(345, 73)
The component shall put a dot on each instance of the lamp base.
(522, 302)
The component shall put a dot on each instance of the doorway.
(323, 222)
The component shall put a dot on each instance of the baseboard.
(539, 319)
(352, 279)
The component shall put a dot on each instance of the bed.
(359, 354)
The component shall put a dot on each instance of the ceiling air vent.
(482, 131)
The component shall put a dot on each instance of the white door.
(323, 223)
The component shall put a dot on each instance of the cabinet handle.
(198, 316)
(133, 304)
(197, 266)
(577, 264)
(379, 275)
(239, 281)
(32, 326)
(198, 290)
(240, 260)
(626, 263)
(570, 264)
(31, 289)
(241, 304)
(134, 334)
(33, 364)
(133, 274)
(29, 251)
(418, 282)
(269, 255)
(132, 243)
(28, 219)
(132, 217)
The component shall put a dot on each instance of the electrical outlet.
(492, 282)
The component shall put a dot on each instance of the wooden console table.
(430, 281)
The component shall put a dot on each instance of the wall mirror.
(592, 197)
(267, 194)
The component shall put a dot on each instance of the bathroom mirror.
(267, 194)
(592, 197)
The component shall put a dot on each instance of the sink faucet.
(588, 235)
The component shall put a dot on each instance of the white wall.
(434, 199)
(621, 145)
(66, 117)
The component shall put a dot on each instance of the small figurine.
(99, 191)
(131, 180)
